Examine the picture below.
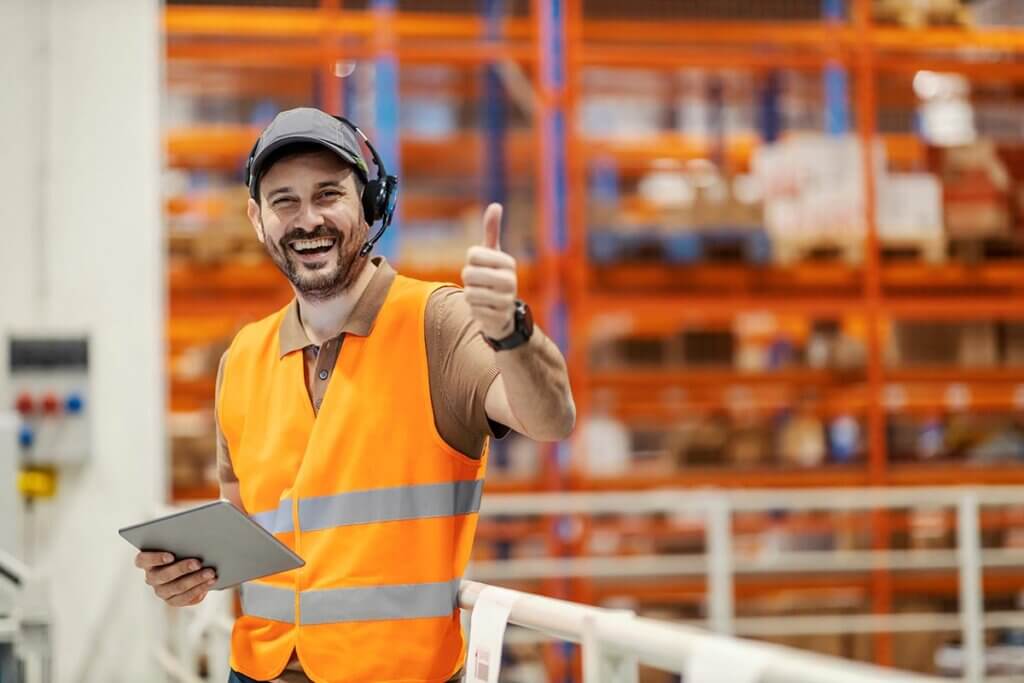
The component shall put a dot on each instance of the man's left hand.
(489, 278)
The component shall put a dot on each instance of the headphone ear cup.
(373, 201)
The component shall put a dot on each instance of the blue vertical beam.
(494, 113)
(716, 120)
(494, 120)
(555, 174)
(553, 81)
(837, 104)
(348, 97)
(387, 135)
(770, 106)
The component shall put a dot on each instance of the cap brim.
(345, 155)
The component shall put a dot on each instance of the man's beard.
(332, 277)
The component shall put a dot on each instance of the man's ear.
(253, 209)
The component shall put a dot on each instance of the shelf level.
(669, 395)
(225, 147)
(281, 24)
(271, 25)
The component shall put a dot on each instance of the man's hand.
(179, 584)
(489, 279)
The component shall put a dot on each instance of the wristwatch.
(521, 331)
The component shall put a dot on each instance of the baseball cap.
(304, 125)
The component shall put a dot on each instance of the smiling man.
(354, 424)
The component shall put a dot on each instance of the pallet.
(922, 13)
(987, 248)
(790, 251)
(683, 247)
(931, 249)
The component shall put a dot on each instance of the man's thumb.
(492, 226)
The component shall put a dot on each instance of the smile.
(320, 245)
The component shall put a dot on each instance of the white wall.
(81, 249)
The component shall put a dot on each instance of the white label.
(487, 633)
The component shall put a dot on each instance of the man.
(373, 476)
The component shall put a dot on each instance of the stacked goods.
(682, 215)
(211, 226)
(977, 191)
(998, 13)
(624, 104)
(966, 345)
(920, 13)
(910, 216)
(978, 199)
(716, 104)
(813, 192)
(755, 343)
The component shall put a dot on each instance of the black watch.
(521, 331)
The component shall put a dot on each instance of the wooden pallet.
(921, 13)
(791, 251)
(986, 248)
(930, 249)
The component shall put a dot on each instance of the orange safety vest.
(367, 492)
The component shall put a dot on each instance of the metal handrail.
(672, 647)
(696, 501)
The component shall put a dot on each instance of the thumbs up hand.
(489, 278)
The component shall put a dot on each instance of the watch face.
(527, 317)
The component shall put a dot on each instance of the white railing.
(715, 509)
(609, 641)
(615, 643)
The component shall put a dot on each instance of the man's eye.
(330, 194)
(284, 201)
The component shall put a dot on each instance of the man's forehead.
(314, 166)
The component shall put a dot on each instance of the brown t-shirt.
(461, 369)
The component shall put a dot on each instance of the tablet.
(220, 536)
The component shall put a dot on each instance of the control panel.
(49, 392)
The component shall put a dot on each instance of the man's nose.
(309, 218)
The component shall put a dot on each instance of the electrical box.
(49, 391)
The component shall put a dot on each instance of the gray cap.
(304, 125)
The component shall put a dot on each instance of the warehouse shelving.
(651, 297)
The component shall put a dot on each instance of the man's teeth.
(309, 245)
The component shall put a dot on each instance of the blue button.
(74, 404)
(26, 436)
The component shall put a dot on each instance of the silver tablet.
(220, 536)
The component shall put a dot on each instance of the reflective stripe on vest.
(377, 603)
(378, 505)
(276, 521)
(390, 505)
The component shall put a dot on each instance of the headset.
(380, 195)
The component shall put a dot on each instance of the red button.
(24, 404)
(51, 406)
